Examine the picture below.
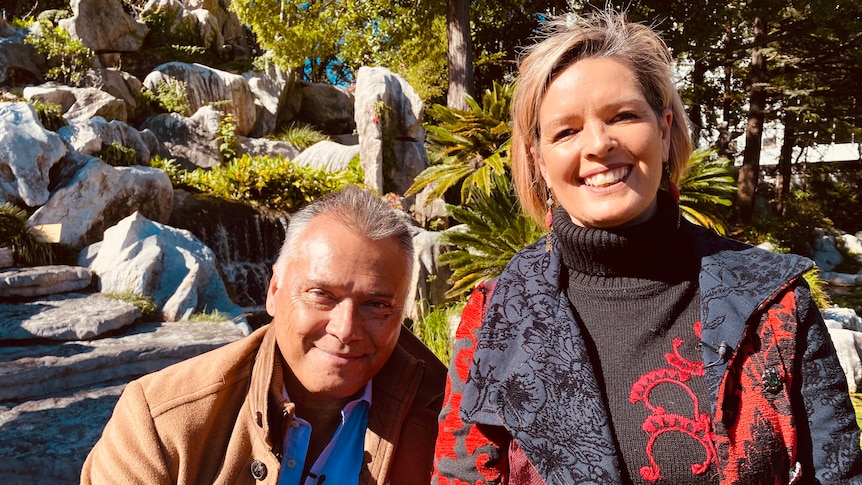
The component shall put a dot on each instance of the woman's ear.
(540, 163)
(665, 123)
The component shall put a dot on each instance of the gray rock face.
(191, 141)
(329, 108)
(389, 122)
(65, 317)
(43, 280)
(263, 147)
(19, 62)
(85, 102)
(169, 264)
(27, 153)
(277, 98)
(100, 195)
(848, 346)
(102, 25)
(92, 135)
(57, 398)
(328, 155)
(206, 86)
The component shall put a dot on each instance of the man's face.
(337, 313)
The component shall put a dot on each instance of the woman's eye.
(565, 133)
(624, 116)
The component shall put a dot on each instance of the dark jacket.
(523, 403)
(203, 420)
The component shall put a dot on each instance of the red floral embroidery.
(679, 371)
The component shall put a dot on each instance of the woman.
(629, 346)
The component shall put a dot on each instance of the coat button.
(258, 470)
(771, 380)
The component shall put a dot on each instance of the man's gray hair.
(369, 215)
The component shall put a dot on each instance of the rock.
(29, 151)
(20, 63)
(92, 135)
(88, 102)
(170, 265)
(429, 279)
(30, 372)
(326, 107)
(845, 318)
(207, 86)
(259, 147)
(191, 141)
(328, 155)
(7, 258)
(43, 280)
(848, 346)
(115, 82)
(852, 244)
(99, 196)
(389, 122)
(826, 255)
(277, 99)
(68, 427)
(65, 317)
(841, 279)
(102, 25)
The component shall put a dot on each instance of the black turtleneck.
(635, 292)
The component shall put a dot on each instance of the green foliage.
(838, 199)
(117, 155)
(143, 303)
(227, 137)
(270, 182)
(433, 329)
(167, 30)
(818, 292)
(27, 248)
(211, 316)
(494, 230)
(72, 57)
(301, 136)
(466, 147)
(794, 230)
(706, 190)
(848, 298)
(172, 95)
(50, 115)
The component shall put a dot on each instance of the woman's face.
(601, 146)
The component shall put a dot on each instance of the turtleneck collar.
(652, 250)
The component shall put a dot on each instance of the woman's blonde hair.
(568, 39)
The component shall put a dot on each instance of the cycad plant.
(466, 147)
(492, 230)
(706, 189)
(27, 249)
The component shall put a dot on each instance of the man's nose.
(345, 322)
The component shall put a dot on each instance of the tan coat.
(203, 420)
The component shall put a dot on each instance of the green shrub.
(226, 136)
(55, 44)
(301, 136)
(27, 248)
(270, 182)
(50, 115)
(433, 329)
(142, 302)
(171, 96)
(117, 155)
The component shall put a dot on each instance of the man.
(332, 391)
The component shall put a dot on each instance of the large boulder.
(326, 107)
(99, 196)
(42, 281)
(27, 153)
(328, 155)
(103, 25)
(389, 122)
(256, 147)
(171, 265)
(277, 99)
(190, 140)
(117, 83)
(79, 103)
(92, 135)
(207, 86)
(20, 64)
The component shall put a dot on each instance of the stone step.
(40, 371)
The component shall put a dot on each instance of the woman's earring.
(549, 215)
(672, 188)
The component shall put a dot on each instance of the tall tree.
(749, 172)
(459, 54)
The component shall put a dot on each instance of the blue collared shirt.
(341, 460)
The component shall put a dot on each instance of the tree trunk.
(750, 170)
(785, 162)
(459, 54)
(698, 80)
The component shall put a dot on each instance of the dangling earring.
(672, 188)
(549, 221)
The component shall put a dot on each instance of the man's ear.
(270, 296)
